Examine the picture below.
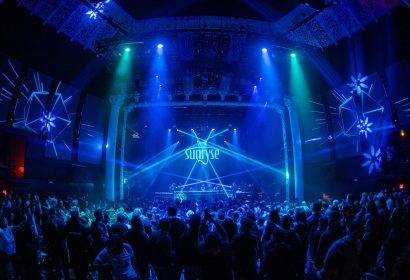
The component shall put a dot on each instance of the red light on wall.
(4, 192)
(401, 187)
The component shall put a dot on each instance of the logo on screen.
(202, 153)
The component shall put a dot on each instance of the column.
(285, 150)
(116, 102)
(297, 149)
(127, 110)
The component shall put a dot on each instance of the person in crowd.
(347, 217)
(332, 233)
(188, 245)
(54, 233)
(384, 216)
(371, 211)
(244, 252)
(116, 260)
(8, 243)
(371, 242)
(99, 233)
(279, 261)
(27, 241)
(273, 223)
(300, 227)
(342, 259)
(352, 203)
(162, 255)
(214, 250)
(177, 227)
(312, 225)
(230, 227)
(294, 241)
(323, 223)
(120, 227)
(397, 241)
(78, 242)
(139, 242)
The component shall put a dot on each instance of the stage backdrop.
(204, 147)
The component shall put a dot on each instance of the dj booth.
(199, 195)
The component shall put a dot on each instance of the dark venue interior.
(204, 139)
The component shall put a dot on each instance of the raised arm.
(218, 227)
(201, 231)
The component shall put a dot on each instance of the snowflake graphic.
(373, 160)
(364, 127)
(358, 84)
(48, 121)
(98, 8)
(38, 119)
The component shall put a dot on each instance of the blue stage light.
(127, 49)
(160, 46)
(264, 50)
(293, 54)
(106, 146)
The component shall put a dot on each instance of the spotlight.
(264, 50)
(254, 86)
(160, 46)
(234, 129)
(169, 130)
(127, 49)
(192, 129)
(402, 133)
(106, 146)
(213, 129)
(293, 54)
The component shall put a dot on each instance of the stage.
(210, 196)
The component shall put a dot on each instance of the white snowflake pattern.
(48, 121)
(358, 84)
(373, 160)
(364, 127)
(98, 8)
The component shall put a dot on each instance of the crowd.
(51, 238)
